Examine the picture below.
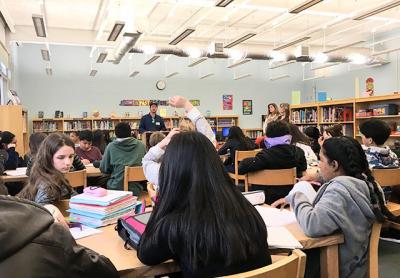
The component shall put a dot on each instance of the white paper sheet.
(17, 172)
(280, 237)
(77, 233)
(275, 217)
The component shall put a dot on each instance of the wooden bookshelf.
(14, 118)
(253, 133)
(299, 114)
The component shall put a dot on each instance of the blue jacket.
(148, 123)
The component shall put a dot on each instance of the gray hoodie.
(342, 205)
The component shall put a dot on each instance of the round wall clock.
(161, 84)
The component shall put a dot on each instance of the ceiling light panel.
(45, 54)
(182, 36)
(152, 59)
(134, 73)
(206, 75)
(240, 40)
(222, 3)
(378, 10)
(38, 23)
(93, 72)
(242, 76)
(198, 61)
(277, 77)
(304, 6)
(292, 43)
(116, 30)
(343, 47)
(171, 74)
(238, 63)
(102, 57)
(49, 71)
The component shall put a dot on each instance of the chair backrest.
(77, 178)
(239, 156)
(387, 177)
(133, 174)
(276, 177)
(292, 266)
(373, 251)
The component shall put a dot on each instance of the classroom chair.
(239, 156)
(373, 267)
(388, 177)
(133, 174)
(292, 266)
(77, 178)
(271, 177)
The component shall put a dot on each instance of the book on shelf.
(304, 116)
(337, 114)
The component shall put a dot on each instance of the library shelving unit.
(66, 125)
(350, 113)
(14, 118)
(377, 107)
(253, 133)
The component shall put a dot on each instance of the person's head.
(123, 130)
(297, 135)
(99, 139)
(186, 125)
(344, 156)
(272, 108)
(235, 132)
(155, 138)
(312, 132)
(85, 139)
(8, 138)
(374, 132)
(153, 107)
(74, 136)
(35, 140)
(277, 129)
(333, 131)
(284, 108)
(192, 176)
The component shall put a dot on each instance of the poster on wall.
(247, 107)
(227, 102)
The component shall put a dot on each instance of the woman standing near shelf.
(284, 112)
(272, 115)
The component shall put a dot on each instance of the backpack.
(130, 228)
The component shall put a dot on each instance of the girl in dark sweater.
(200, 219)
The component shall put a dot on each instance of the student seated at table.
(237, 141)
(303, 142)
(313, 134)
(335, 130)
(374, 134)
(99, 139)
(86, 152)
(35, 140)
(278, 154)
(34, 245)
(151, 161)
(9, 143)
(349, 202)
(123, 151)
(201, 219)
(74, 136)
(46, 183)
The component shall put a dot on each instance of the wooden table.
(90, 170)
(109, 244)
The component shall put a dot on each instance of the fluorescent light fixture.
(314, 77)
(49, 71)
(116, 30)
(45, 54)
(378, 10)
(223, 3)
(273, 78)
(240, 40)
(102, 57)
(386, 51)
(182, 36)
(238, 63)
(207, 75)
(304, 6)
(171, 74)
(281, 64)
(128, 41)
(342, 47)
(93, 72)
(134, 73)
(325, 66)
(292, 43)
(198, 61)
(242, 76)
(152, 59)
(38, 23)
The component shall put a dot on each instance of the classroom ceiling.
(329, 24)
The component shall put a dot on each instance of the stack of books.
(96, 211)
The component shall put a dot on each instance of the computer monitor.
(225, 132)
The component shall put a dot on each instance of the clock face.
(161, 84)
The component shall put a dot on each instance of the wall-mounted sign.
(227, 102)
(247, 107)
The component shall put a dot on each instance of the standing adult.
(152, 121)
(272, 115)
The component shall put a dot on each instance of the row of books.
(45, 126)
(95, 211)
(337, 114)
(254, 133)
(77, 125)
(304, 116)
(103, 125)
